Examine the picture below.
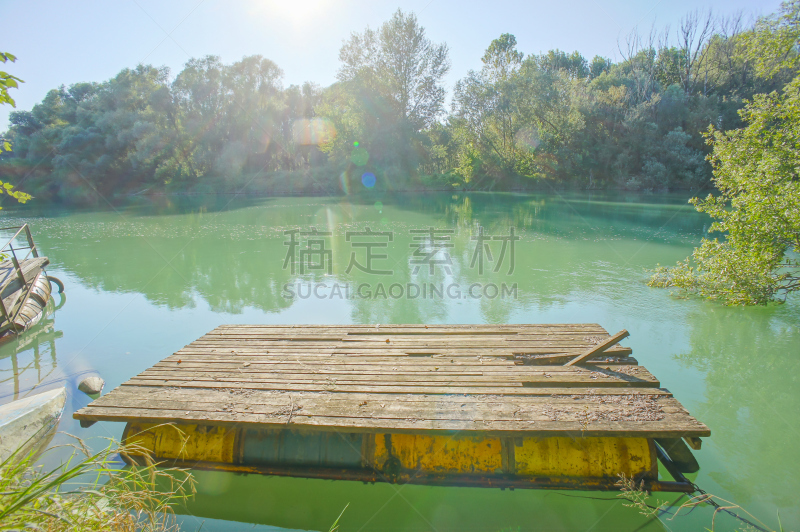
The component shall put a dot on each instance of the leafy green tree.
(757, 208)
(392, 79)
(758, 204)
(502, 59)
(519, 115)
(7, 81)
(486, 113)
(403, 65)
(773, 43)
(574, 65)
(598, 66)
(95, 138)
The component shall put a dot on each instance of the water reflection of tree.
(180, 253)
(227, 259)
(566, 214)
(749, 357)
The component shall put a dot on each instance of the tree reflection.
(749, 358)
(231, 258)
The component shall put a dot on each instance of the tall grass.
(636, 496)
(91, 491)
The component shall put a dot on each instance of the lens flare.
(368, 179)
(527, 138)
(359, 156)
(313, 131)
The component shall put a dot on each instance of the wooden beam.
(694, 442)
(599, 348)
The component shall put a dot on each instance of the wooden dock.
(477, 383)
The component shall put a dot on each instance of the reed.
(636, 496)
(91, 491)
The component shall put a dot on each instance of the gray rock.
(91, 385)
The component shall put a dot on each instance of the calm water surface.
(144, 280)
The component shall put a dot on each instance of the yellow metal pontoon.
(469, 405)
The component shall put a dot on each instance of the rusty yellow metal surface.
(558, 456)
(185, 442)
(440, 454)
(583, 457)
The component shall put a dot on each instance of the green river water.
(145, 279)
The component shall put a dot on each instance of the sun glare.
(297, 13)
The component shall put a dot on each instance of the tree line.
(522, 121)
(751, 256)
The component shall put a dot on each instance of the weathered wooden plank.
(344, 360)
(539, 409)
(387, 350)
(380, 342)
(352, 335)
(244, 397)
(510, 374)
(530, 375)
(354, 362)
(125, 394)
(560, 358)
(367, 366)
(582, 338)
(269, 396)
(406, 359)
(411, 334)
(406, 341)
(363, 388)
(686, 426)
(414, 326)
(599, 348)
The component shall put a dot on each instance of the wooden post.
(599, 348)
(18, 268)
(30, 241)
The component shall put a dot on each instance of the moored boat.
(24, 284)
(26, 424)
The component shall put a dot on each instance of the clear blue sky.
(67, 42)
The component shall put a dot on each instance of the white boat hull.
(25, 422)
